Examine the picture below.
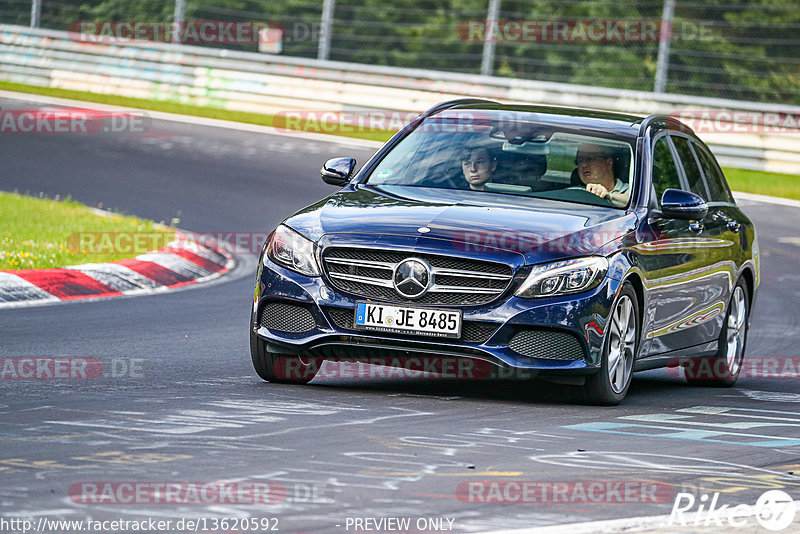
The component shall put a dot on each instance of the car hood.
(540, 229)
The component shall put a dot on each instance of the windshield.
(491, 153)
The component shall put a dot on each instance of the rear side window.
(665, 174)
(717, 186)
(693, 175)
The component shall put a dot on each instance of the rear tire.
(610, 384)
(280, 368)
(722, 370)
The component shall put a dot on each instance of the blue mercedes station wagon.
(569, 245)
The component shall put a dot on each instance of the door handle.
(733, 226)
(696, 227)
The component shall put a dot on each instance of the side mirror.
(338, 171)
(679, 204)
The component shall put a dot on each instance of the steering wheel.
(582, 195)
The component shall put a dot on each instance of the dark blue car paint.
(684, 278)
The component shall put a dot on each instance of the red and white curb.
(181, 263)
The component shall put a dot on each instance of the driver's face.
(593, 166)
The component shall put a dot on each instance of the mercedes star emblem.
(412, 278)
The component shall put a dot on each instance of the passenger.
(595, 166)
(477, 164)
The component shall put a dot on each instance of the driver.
(596, 170)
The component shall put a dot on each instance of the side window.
(693, 175)
(665, 174)
(717, 186)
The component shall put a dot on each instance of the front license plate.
(403, 319)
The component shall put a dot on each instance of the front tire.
(280, 368)
(722, 370)
(610, 384)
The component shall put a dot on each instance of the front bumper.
(304, 316)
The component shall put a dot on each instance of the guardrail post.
(177, 20)
(487, 61)
(664, 37)
(36, 13)
(325, 29)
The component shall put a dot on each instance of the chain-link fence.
(747, 50)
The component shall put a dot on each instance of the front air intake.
(547, 344)
(287, 318)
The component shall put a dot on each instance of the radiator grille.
(454, 281)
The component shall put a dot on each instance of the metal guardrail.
(272, 84)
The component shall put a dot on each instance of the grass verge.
(43, 234)
(764, 183)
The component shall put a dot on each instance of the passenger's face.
(478, 168)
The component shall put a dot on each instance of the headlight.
(564, 277)
(293, 251)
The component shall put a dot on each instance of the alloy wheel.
(736, 331)
(622, 344)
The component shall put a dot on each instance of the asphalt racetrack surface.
(178, 403)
